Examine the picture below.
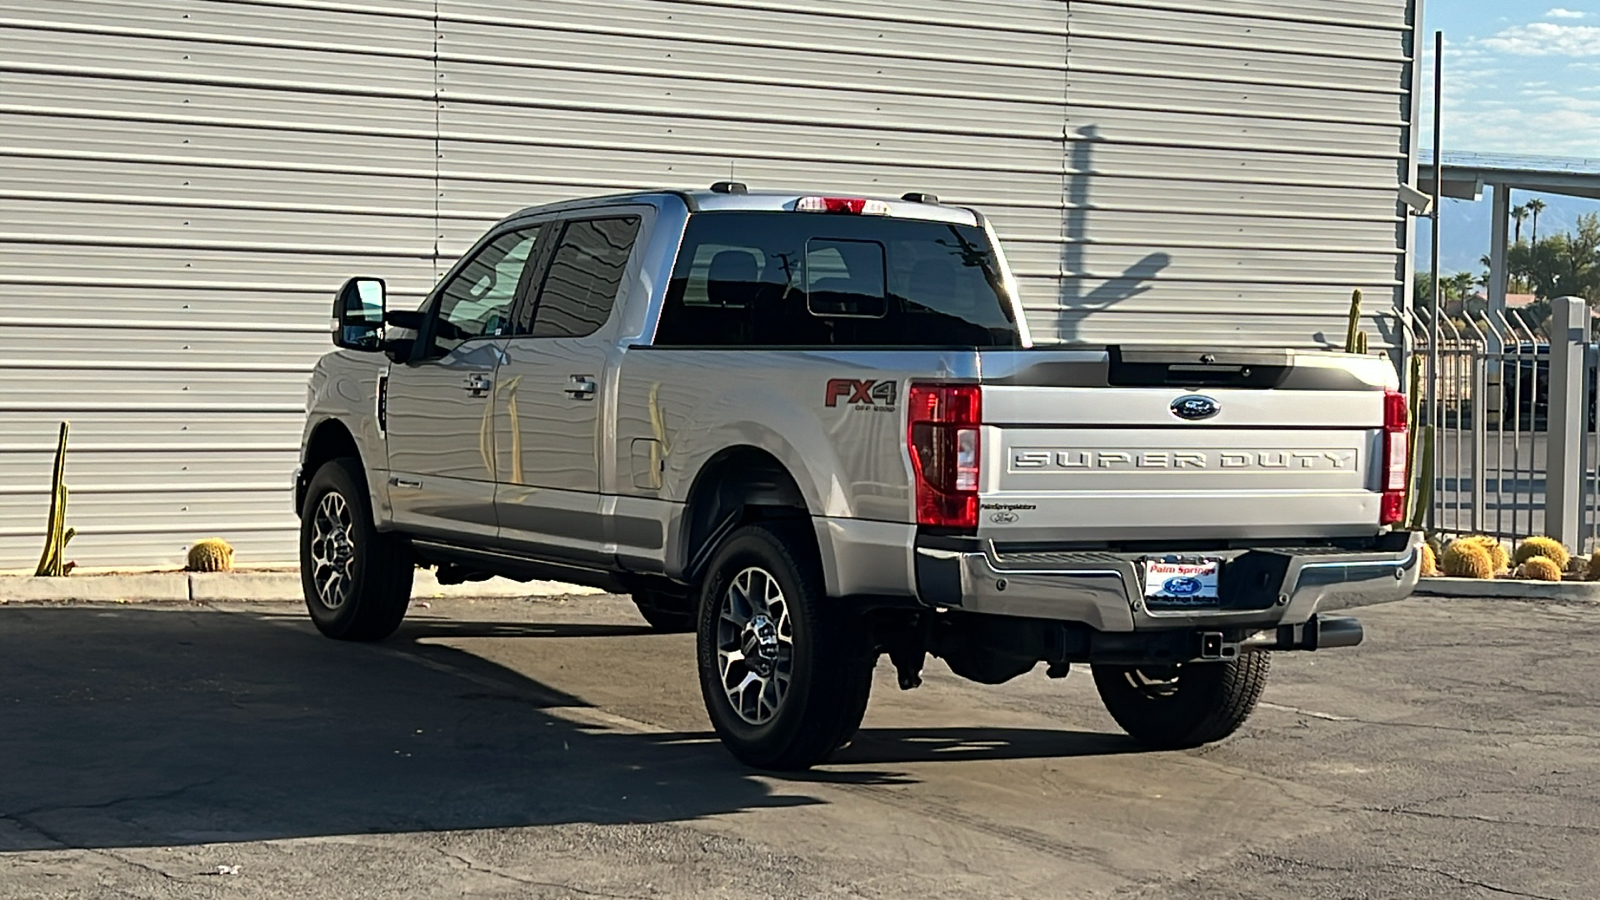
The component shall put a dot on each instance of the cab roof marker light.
(851, 206)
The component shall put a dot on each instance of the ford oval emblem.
(1194, 407)
(1182, 586)
(1004, 518)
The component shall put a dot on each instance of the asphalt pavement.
(558, 749)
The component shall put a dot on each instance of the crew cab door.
(438, 407)
(552, 397)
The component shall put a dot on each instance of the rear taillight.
(946, 449)
(1394, 472)
(850, 206)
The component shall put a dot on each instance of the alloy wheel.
(333, 550)
(755, 645)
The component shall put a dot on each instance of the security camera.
(1421, 204)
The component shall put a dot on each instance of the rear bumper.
(1274, 587)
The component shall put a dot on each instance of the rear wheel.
(1183, 705)
(785, 671)
(356, 579)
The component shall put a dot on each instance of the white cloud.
(1527, 87)
(1550, 125)
(1546, 39)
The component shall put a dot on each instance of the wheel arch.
(737, 485)
(328, 440)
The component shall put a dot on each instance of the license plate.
(1195, 580)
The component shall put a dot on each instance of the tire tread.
(1219, 700)
(383, 586)
(836, 699)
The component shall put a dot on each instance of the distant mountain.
(1464, 235)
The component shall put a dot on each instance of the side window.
(585, 277)
(477, 301)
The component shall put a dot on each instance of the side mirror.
(403, 350)
(358, 314)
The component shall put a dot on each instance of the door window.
(477, 301)
(584, 278)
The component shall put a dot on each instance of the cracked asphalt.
(557, 749)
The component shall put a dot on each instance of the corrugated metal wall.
(184, 182)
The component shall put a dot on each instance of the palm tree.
(1518, 213)
(1535, 206)
(1459, 285)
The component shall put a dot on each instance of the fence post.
(1480, 438)
(1563, 489)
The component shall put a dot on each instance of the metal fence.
(1514, 425)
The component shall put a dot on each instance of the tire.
(817, 656)
(356, 579)
(1186, 705)
(666, 615)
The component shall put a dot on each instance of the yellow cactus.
(1430, 561)
(1353, 326)
(1467, 559)
(1499, 557)
(1540, 568)
(53, 561)
(1549, 548)
(210, 555)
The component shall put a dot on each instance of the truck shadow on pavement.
(144, 726)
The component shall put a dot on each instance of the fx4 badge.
(879, 395)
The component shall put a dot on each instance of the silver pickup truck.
(814, 431)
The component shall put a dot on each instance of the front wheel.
(785, 670)
(356, 579)
(1183, 705)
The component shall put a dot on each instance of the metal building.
(183, 183)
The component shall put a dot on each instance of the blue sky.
(1520, 77)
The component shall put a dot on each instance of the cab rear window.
(785, 279)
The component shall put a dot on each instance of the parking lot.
(557, 749)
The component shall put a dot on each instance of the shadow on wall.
(1135, 280)
(160, 727)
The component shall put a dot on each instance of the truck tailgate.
(1093, 464)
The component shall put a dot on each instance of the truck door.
(551, 400)
(438, 406)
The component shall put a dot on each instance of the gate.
(1514, 426)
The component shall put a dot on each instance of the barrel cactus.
(1549, 548)
(210, 555)
(1541, 568)
(1499, 557)
(1430, 561)
(1466, 559)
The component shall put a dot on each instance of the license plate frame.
(1187, 582)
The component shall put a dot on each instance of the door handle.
(581, 387)
(478, 385)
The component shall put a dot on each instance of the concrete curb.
(240, 587)
(1510, 589)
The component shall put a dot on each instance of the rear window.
(784, 279)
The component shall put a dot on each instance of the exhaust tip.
(1338, 631)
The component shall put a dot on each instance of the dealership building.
(184, 184)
